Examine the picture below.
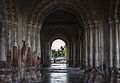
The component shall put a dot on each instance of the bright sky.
(57, 44)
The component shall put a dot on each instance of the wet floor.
(60, 73)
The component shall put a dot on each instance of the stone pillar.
(80, 49)
(101, 47)
(23, 20)
(86, 49)
(33, 37)
(47, 57)
(96, 46)
(77, 56)
(113, 30)
(117, 44)
(2, 43)
(9, 34)
(74, 53)
(91, 46)
(111, 45)
(8, 43)
(39, 41)
(2, 34)
(106, 48)
(36, 39)
(114, 58)
(15, 34)
(28, 34)
(82, 54)
(70, 59)
(20, 38)
(88, 46)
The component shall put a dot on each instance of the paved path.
(60, 73)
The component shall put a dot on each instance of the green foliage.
(54, 53)
(60, 52)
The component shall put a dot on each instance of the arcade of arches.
(90, 28)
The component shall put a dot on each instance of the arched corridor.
(62, 24)
(90, 29)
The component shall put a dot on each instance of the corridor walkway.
(60, 73)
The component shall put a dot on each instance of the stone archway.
(67, 42)
(65, 25)
(59, 46)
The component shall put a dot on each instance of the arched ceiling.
(32, 11)
(60, 24)
(60, 17)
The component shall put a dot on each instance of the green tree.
(58, 53)
(62, 51)
(54, 53)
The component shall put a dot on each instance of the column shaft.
(96, 47)
(2, 43)
(91, 47)
(117, 44)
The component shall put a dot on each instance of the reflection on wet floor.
(60, 73)
(58, 78)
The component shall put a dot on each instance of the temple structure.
(90, 29)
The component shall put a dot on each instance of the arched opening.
(58, 51)
(61, 24)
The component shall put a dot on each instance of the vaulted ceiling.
(34, 11)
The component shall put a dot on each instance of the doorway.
(58, 51)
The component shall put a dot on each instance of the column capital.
(29, 25)
(116, 20)
(35, 26)
(110, 20)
